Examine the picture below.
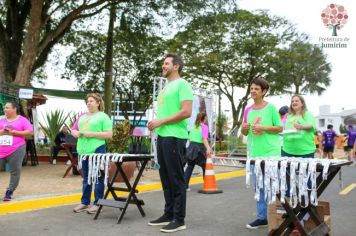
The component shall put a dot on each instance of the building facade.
(343, 118)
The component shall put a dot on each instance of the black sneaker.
(163, 220)
(174, 226)
(8, 195)
(257, 224)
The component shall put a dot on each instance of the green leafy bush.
(120, 138)
(53, 122)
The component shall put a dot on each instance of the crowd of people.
(289, 132)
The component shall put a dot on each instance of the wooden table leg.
(295, 215)
(132, 191)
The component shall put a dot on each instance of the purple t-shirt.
(352, 137)
(10, 143)
(328, 138)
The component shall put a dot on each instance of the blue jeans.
(99, 185)
(261, 205)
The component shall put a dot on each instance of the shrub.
(120, 138)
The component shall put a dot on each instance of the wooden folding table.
(123, 202)
(293, 217)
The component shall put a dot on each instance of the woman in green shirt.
(92, 129)
(299, 130)
(199, 146)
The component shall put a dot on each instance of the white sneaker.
(93, 209)
(68, 163)
(54, 161)
(80, 208)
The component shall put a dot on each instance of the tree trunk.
(4, 75)
(239, 111)
(235, 115)
(109, 63)
(297, 89)
(30, 49)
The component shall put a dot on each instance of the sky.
(306, 15)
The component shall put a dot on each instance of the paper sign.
(26, 93)
(6, 140)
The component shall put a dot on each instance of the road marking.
(348, 189)
(35, 204)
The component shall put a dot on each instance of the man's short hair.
(330, 126)
(261, 82)
(176, 60)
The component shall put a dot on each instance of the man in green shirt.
(261, 124)
(173, 109)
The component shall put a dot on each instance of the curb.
(55, 201)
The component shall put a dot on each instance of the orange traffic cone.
(209, 186)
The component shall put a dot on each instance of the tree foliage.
(136, 61)
(138, 50)
(220, 124)
(227, 51)
(302, 69)
(29, 29)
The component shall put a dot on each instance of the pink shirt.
(284, 119)
(75, 125)
(20, 124)
(205, 131)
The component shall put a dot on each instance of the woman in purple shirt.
(13, 129)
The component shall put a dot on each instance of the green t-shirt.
(195, 134)
(301, 142)
(169, 103)
(97, 122)
(265, 144)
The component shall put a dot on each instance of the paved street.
(220, 214)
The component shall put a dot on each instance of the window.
(321, 122)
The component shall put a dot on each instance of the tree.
(109, 63)
(305, 66)
(29, 29)
(334, 17)
(136, 61)
(137, 53)
(227, 51)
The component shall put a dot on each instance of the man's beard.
(167, 74)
